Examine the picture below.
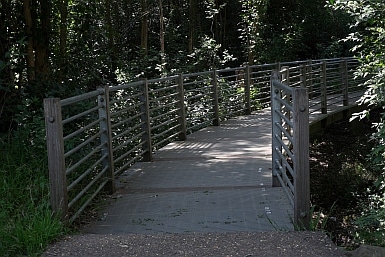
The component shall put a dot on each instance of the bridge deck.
(218, 180)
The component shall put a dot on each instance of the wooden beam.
(301, 158)
(56, 160)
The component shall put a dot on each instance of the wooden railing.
(94, 137)
(290, 146)
(299, 94)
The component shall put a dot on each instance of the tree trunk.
(144, 29)
(118, 37)
(38, 36)
(161, 37)
(223, 29)
(177, 15)
(192, 25)
(111, 35)
(42, 40)
(63, 8)
(161, 29)
(5, 20)
(6, 76)
(30, 56)
(110, 32)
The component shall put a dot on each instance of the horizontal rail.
(80, 98)
(290, 141)
(111, 128)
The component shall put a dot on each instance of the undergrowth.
(343, 180)
(27, 224)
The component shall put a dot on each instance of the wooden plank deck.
(218, 180)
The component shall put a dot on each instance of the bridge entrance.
(95, 138)
(218, 180)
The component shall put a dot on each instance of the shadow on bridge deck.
(218, 180)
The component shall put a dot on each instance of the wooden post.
(324, 108)
(181, 110)
(287, 97)
(303, 76)
(301, 158)
(146, 125)
(285, 75)
(345, 84)
(215, 99)
(276, 132)
(56, 160)
(247, 90)
(309, 73)
(278, 66)
(106, 138)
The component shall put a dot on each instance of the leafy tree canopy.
(369, 39)
(61, 48)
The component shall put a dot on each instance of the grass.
(318, 220)
(27, 224)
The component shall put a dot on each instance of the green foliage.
(371, 224)
(208, 56)
(319, 220)
(27, 224)
(369, 39)
(252, 14)
(94, 43)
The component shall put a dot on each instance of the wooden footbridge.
(241, 129)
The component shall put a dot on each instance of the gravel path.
(277, 244)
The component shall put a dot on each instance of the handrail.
(297, 92)
(127, 123)
(290, 146)
(280, 86)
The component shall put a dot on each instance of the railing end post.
(301, 157)
(106, 137)
(56, 160)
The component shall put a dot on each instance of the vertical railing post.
(181, 109)
(309, 75)
(301, 158)
(247, 90)
(56, 160)
(215, 96)
(277, 134)
(303, 76)
(278, 66)
(106, 137)
(324, 108)
(146, 124)
(285, 73)
(345, 84)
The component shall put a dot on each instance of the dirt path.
(261, 244)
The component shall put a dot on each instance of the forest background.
(61, 48)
